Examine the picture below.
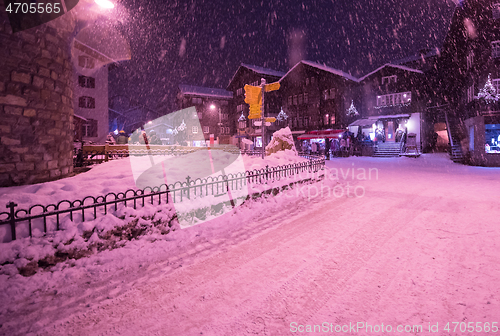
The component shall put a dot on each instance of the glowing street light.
(212, 107)
(105, 4)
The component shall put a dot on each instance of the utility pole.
(263, 117)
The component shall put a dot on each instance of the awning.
(321, 134)
(389, 116)
(368, 121)
(363, 123)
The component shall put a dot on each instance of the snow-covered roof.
(205, 91)
(430, 53)
(324, 68)
(402, 67)
(257, 69)
(263, 71)
(79, 117)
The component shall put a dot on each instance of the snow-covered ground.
(399, 242)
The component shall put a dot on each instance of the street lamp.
(105, 4)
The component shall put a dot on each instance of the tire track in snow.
(293, 302)
(189, 275)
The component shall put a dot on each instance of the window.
(495, 49)
(332, 119)
(86, 102)
(86, 82)
(89, 128)
(325, 94)
(496, 11)
(394, 99)
(242, 124)
(470, 93)
(471, 138)
(295, 101)
(307, 81)
(200, 115)
(300, 99)
(239, 92)
(290, 100)
(206, 129)
(239, 108)
(332, 93)
(306, 98)
(224, 102)
(224, 116)
(313, 80)
(470, 59)
(389, 79)
(492, 138)
(326, 119)
(194, 129)
(496, 85)
(86, 62)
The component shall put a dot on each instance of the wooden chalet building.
(469, 78)
(241, 125)
(394, 101)
(317, 97)
(212, 118)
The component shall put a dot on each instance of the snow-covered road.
(420, 248)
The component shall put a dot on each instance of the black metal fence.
(48, 217)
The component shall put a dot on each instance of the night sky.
(203, 42)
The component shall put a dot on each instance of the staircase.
(454, 136)
(387, 149)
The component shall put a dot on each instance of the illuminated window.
(495, 49)
(194, 129)
(496, 11)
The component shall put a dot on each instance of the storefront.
(315, 142)
(482, 144)
(387, 128)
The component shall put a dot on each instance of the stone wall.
(36, 102)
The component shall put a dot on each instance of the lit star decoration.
(488, 92)
(351, 111)
(282, 116)
(242, 117)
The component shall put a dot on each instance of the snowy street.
(419, 247)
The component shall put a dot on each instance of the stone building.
(36, 101)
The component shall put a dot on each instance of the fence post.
(189, 186)
(12, 218)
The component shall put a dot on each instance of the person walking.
(327, 149)
(122, 138)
